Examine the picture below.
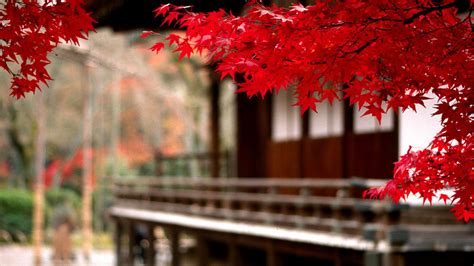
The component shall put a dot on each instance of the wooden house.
(297, 196)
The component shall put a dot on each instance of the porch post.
(131, 243)
(234, 259)
(271, 254)
(202, 252)
(174, 239)
(118, 243)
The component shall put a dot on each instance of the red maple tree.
(30, 30)
(379, 54)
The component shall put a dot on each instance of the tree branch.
(427, 11)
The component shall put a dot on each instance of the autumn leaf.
(157, 47)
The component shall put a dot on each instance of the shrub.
(16, 211)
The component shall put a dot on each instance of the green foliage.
(56, 197)
(123, 168)
(71, 186)
(101, 201)
(64, 203)
(16, 209)
(147, 169)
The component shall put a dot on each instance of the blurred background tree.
(141, 104)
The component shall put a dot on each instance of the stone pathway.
(16, 255)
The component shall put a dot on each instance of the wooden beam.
(123, 15)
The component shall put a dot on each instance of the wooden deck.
(321, 219)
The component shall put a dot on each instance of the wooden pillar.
(337, 257)
(202, 251)
(392, 259)
(131, 242)
(303, 141)
(234, 256)
(151, 250)
(215, 132)
(305, 124)
(118, 243)
(271, 254)
(174, 244)
(372, 258)
(396, 132)
(347, 137)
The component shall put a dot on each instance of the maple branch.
(360, 49)
(470, 19)
(427, 11)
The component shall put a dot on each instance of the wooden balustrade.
(193, 164)
(320, 212)
(332, 205)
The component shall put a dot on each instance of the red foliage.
(51, 171)
(30, 31)
(76, 162)
(380, 54)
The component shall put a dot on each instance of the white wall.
(286, 118)
(418, 128)
(328, 121)
(370, 124)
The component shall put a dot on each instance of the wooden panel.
(372, 155)
(306, 158)
(252, 135)
(284, 159)
(322, 157)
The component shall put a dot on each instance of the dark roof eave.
(122, 15)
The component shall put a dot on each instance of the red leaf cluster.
(380, 54)
(30, 30)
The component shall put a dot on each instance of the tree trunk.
(38, 186)
(87, 167)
